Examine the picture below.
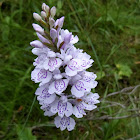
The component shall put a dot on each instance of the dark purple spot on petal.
(73, 65)
(52, 62)
(80, 86)
(42, 74)
(59, 85)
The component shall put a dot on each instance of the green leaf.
(124, 70)
(25, 134)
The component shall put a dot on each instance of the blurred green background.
(109, 30)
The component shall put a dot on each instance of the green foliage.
(25, 134)
(124, 70)
(108, 30)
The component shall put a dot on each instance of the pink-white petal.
(77, 113)
(69, 110)
(71, 125)
(57, 121)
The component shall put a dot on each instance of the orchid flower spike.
(60, 69)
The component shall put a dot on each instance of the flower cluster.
(60, 69)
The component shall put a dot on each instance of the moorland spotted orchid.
(60, 68)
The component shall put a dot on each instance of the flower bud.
(36, 51)
(51, 22)
(37, 17)
(67, 38)
(60, 23)
(43, 39)
(38, 28)
(53, 11)
(53, 34)
(45, 7)
(43, 14)
(36, 44)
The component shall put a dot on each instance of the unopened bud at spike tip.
(67, 38)
(38, 28)
(45, 7)
(43, 39)
(61, 21)
(43, 14)
(51, 22)
(53, 11)
(53, 34)
(36, 44)
(37, 17)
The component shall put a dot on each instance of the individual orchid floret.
(60, 69)
(85, 84)
(73, 67)
(47, 111)
(73, 52)
(65, 122)
(39, 61)
(79, 108)
(79, 89)
(58, 86)
(52, 63)
(46, 108)
(86, 61)
(63, 107)
(44, 95)
(89, 79)
(80, 63)
(59, 23)
(66, 39)
(91, 98)
(87, 102)
(41, 76)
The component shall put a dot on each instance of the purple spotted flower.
(41, 75)
(60, 69)
(87, 102)
(65, 122)
(52, 63)
(44, 95)
(63, 107)
(58, 86)
(46, 108)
